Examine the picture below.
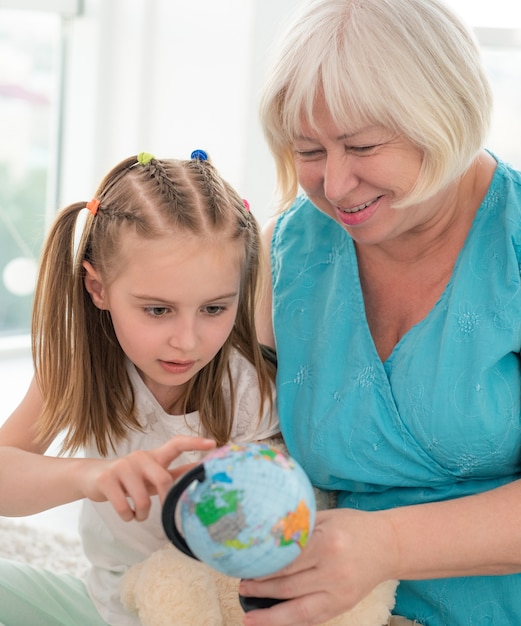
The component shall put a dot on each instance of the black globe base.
(250, 604)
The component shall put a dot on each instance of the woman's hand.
(349, 553)
(129, 482)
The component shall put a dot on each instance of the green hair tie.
(144, 158)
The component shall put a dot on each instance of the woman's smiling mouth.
(360, 207)
(358, 214)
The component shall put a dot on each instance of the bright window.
(29, 87)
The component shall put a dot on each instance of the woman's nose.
(339, 177)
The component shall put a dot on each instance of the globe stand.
(251, 603)
(169, 507)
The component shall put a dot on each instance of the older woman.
(396, 315)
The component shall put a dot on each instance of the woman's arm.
(350, 552)
(474, 535)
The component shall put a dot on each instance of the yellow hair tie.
(144, 158)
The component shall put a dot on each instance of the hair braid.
(211, 188)
(167, 188)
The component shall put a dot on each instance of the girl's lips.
(176, 367)
(359, 214)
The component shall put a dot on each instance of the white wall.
(165, 76)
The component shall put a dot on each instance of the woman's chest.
(396, 300)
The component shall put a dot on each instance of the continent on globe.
(294, 527)
(220, 512)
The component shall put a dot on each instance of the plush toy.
(171, 588)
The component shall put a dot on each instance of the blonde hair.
(80, 366)
(408, 65)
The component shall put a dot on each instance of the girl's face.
(173, 305)
(355, 176)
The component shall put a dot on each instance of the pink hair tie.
(246, 204)
(93, 206)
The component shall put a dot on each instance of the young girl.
(145, 357)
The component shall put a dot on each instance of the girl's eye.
(157, 311)
(213, 309)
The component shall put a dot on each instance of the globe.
(247, 510)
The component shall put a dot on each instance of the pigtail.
(55, 337)
(79, 365)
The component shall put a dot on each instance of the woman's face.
(355, 175)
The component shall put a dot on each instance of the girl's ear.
(94, 285)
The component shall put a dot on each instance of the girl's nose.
(183, 334)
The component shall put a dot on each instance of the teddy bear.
(170, 588)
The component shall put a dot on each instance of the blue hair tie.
(201, 155)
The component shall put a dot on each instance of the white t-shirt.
(112, 545)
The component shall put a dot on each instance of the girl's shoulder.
(244, 376)
(249, 423)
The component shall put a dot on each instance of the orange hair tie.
(93, 206)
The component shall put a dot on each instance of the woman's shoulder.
(504, 198)
(506, 184)
(498, 222)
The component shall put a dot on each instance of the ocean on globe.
(251, 511)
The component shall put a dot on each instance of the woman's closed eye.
(362, 149)
(309, 155)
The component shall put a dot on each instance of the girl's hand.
(129, 482)
(349, 553)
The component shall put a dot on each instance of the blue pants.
(30, 596)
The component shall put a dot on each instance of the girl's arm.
(263, 315)
(350, 552)
(31, 482)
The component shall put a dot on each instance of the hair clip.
(93, 206)
(144, 158)
(200, 155)
(246, 204)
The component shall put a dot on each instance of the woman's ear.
(94, 285)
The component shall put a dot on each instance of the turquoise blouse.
(440, 418)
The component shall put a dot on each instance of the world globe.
(247, 510)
